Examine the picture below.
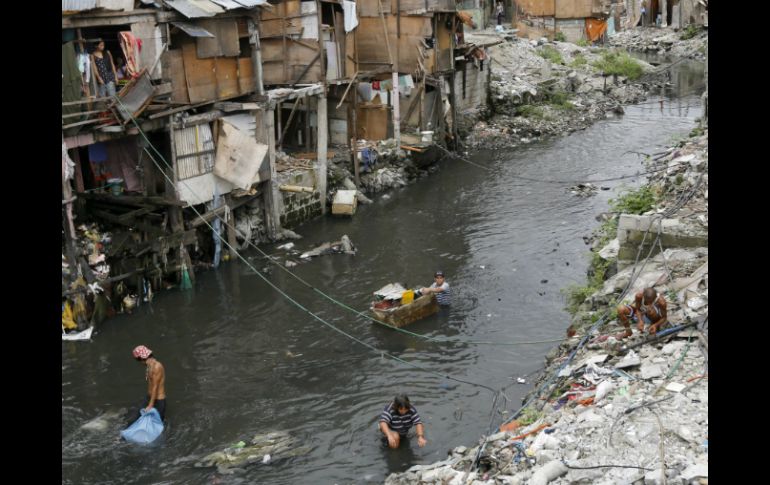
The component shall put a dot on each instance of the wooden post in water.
(322, 146)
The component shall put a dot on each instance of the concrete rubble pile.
(663, 41)
(533, 96)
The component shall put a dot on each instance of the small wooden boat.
(401, 315)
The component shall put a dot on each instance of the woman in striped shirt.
(397, 419)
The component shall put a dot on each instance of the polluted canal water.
(241, 360)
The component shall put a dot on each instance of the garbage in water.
(343, 246)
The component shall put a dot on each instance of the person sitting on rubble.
(649, 307)
(397, 419)
(440, 287)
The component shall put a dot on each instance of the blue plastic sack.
(145, 429)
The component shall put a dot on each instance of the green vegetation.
(530, 111)
(560, 100)
(697, 131)
(690, 32)
(576, 295)
(550, 53)
(634, 201)
(619, 64)
(560, 37)
(529, 416)
(578, 61)
(607, 231)
(679, 179)
(582, 43)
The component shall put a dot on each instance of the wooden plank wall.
(574, 9)
(371, 41)
(173, 68)
(197, 80)
(299, 55)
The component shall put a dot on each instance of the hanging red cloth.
(131, 48)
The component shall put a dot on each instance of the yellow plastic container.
(407, 297)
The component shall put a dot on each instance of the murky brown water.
(242, 360)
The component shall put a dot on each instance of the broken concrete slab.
(651, 371)
(631, 359)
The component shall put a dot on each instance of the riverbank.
(538, 89)
(690, 43)
(607, 410)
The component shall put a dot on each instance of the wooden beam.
(307, 68)
(344, 95)
(133, 224)
(310, 155)
(385, 30)
(103, 19)
(134, 200)
(288, 122)
(295, 188)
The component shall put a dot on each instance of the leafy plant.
(559, 99)
(634, 201)
(560, 37)
(620, 64)
(529, 416)
(576, 295)
(582, 43)
(530, 111)
(550, 53)
(690, 32)
(578, 61)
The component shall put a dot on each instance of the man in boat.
(440, 287)
(397, 419)
(155, 376)
(649, 307)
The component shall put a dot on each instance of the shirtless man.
(649, 307)
(155, 376)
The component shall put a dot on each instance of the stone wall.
(299, 207)
(675, 233)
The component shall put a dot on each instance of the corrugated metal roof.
(228, 4)
(194, 150)
(251, 3)
(77, 5)
(193, 9)
(192, 30)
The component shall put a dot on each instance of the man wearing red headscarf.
(155, 376)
